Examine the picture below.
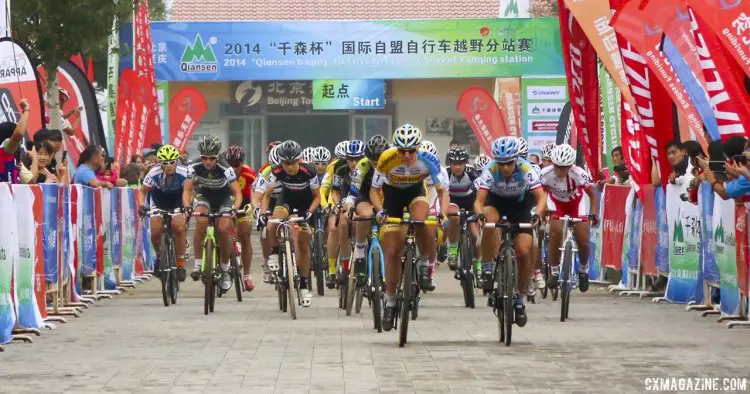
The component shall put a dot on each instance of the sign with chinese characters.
(357, 94)
(388, 49)
(270, 96)
(542, 101)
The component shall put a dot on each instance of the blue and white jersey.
(159, 182)
(523, 180)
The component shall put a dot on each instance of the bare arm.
(187, 193)
(479, 201)
(237, 192)
(375, 198)
(541, 202)
(17, 137)
(316, 200)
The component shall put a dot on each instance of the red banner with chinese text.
(40, 284)
(185, 112)
(124, 121)
(649, 233)
(141, 114)
(583, 86)
(729, 20)
(613, 224)
(483, 115)
(144, 66)
(741, 250)
(632, 141)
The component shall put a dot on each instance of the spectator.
(534, 158)
(55, 138)
(617, 157)
(678, 159)
(91, 160)
(137, 159)
(67, 127)
(110, 173)
(35, 166)
(11, 137)
(133, 175)
(736, 169)
(184, 158)
(617, 160)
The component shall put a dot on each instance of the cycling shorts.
(216, 203)
(291, 202)
(514, 210)
(465, 202)
(575, 208)
(396, 199)
(165, 201)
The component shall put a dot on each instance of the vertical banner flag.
(649, 233)
(87, 231)
(40, 286)
(8, 248)
(613, 224)
(740, 230)
(125, 122)
(730, 22)
(724, 248)
(144, 66)
(185, 112)
(113, 60)
(610, 99)
(508, 98)
(581, 70)
(646, 67)
(662, 250)
(483, 115)
(565, 126)
(707, 250)
(684, 234)
(26, 305)
(141, 115)
(543, 101)
(50, 229)
(724, 85)
(18, 85)
(162, 95)
(115, 239)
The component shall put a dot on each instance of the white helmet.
(273, 156)
(407, 136)
(523, 148)
(547, 150)
(321, 154)
(481, 161)
(307, 154)
(428, 146)
(563, 155)
(340, 150)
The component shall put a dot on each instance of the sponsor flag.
(8, 252)
(113, 63)
(18, 81)
(632, 140)
(613, 224)
(125, 119)
(26, 303)
(583, 86)
(565, 125)
(483, 115)
(185, 112)
(508, 98)
(77, 59)
(741, 250)
(729, 20)
(141, 115)
(144, 66)
(610, 99)
(649, 232)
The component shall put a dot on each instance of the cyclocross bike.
(567, 280)
(287, 278)
(407, 294)
(211, 276)
(167, 256)
(465, 270)
(504, 280)
(361, 283)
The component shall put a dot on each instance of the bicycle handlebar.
(287, 220)
(229, 214)
(152, 212)
(431, 221)
(568, 218)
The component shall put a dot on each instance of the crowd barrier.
(698, 248)
(63, 247)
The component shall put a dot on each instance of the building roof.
(261, 10)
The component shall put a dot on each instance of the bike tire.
(467, 276)
(291, 282)
(497, 300)
(546, 275)
(376, 295)
(163, 273)
(415, 309)
(359, 299)
(236, 273)
(510, 283)
(407, 283)
(565, 269)
(173, 282)
(319, 264)
(208, 276)
(280, 281)
(351, 288)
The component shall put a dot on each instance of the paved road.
(135, 344)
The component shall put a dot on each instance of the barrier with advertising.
(384, 49)
(684, 234)
(724, 247)
(613, 224)
(542, 102)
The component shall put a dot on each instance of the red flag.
(124, 119)
(652, 98)
(144, 105)
(40, 284)
(729, 20)
(632, 141)
(724, 86)
(144, 66)
(583, 85)
(741, 250)
(185, 112)
(78, 61)
(613, 224)
(90, 70)
(649, 233)
(483, 115)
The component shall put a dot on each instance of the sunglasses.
(209, 158)
(405, 151)
(320, 163)
(168, 163)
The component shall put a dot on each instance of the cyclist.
(565, 182)
(300, 196)
(435, 204)
(321, 156)
(235, 156)
(342, 177)
(462, 192)
(360, 192)
(508, 188)
(326, 192)
(480, 162)
(399, 175)
(216, 191)
(307, 155)
(537, 279)
(270, 146)
(545, 152)
(260, 190)
(163, 188)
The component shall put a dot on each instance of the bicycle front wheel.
(173, 286)
(376, 296)
(290, 280)
(565, 269)
(509, 262)
(208, 276)
(319, 263)
(467, 276)
(163, 267)
(407, 291)
(236, 274)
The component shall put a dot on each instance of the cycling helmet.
(290, 151)
(407, 137)
(340, 150)
(271, 146)
(307, 154)
(167, 153)
(375, 147)
(234, 155)
(481, 161)
(563, 155)
(428, 146)
(458, 155)
(209, 145)
(523, 148)
(355, 149)
(273, 156)
(505, 149)
(547, 150)
(321, 154)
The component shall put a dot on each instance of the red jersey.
(246, 178)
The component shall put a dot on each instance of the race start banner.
(542, 102)
(348, 94)
(385, 49)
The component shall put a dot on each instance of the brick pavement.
(133, 344)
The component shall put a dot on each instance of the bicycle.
(287, 277)
(235, 268)
(211, 276)
(567, 280)
(546, 270)
(319, 254)
(361, 283)
(505, 273)
(407, 293)
(168, 256)
(465, 271)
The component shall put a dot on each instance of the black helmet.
(458, 154)
(290, 151)
(209, 145)
(375, 146)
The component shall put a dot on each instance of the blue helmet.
(356, 148)
(505, 149)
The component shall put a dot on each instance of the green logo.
(678, 234)
(198, 57)
(511, 9)
(719, 233)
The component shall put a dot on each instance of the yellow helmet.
(167, 153)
